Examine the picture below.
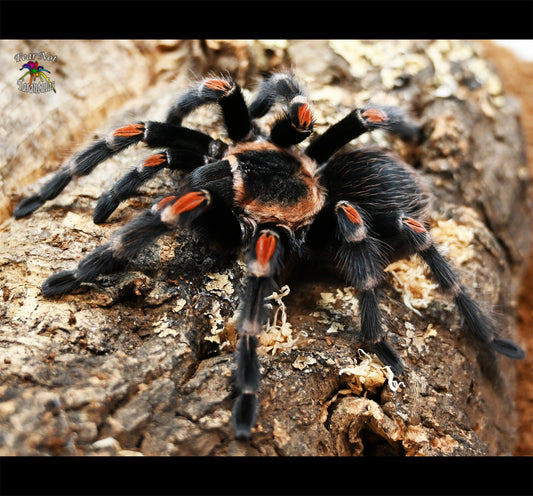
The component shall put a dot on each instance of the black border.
(252, 19)
(156, 476)
(134, 19)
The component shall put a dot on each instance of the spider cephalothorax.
(279, 201)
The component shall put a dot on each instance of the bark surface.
(140, 362)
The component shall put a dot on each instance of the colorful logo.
(39, 82)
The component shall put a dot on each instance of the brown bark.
(139, 363)
(516, 76)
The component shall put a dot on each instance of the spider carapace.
(274, 198)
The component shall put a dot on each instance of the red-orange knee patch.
(129, 130)
(415, 225)
(165, 202)
(351, 213)
(265, 247)
(188, 202)
(154, 160)
(218, 84)
(305, 117)
(375, 115)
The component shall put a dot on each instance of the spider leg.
(153, 134)
(226, 93)
(169, 214)
(476, 322)
(359, 258)
(81, 164)
(265, 257)
(297, 122)
(358, 122)
(129, 183)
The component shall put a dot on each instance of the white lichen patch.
(216, 419)
(455, 240)
(179, 305)
(369, 374)
(412, 278)
(441, 57)
(164, 327)
(279, 334)
(217, 331)
(108, 443)
(219, 284)
(361, 56)
(327, 300)
(334, 328)
(343, 299)
(302, 362)
(417, 338)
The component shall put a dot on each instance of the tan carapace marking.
(294, 216)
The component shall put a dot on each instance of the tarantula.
(277, 200)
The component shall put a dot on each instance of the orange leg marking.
(166, 201)
(218, 84)
(264, 248)
(155, 160)
(415, 225)
(352, 214)
(375, 115)
(129, 130)
(304, 116)
(187, 202)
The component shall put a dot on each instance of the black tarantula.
(362, 209)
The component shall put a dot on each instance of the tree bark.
(141, 362)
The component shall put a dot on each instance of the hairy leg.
(265, 256)
(297, 122)
(359, 122)
(222, 91)
(153, 134)
(166, 216)
(130, 182)
(476, 322)
(360, 260)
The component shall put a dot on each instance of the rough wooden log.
(140, 362)
(516, 74)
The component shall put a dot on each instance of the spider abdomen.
(380, 185)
